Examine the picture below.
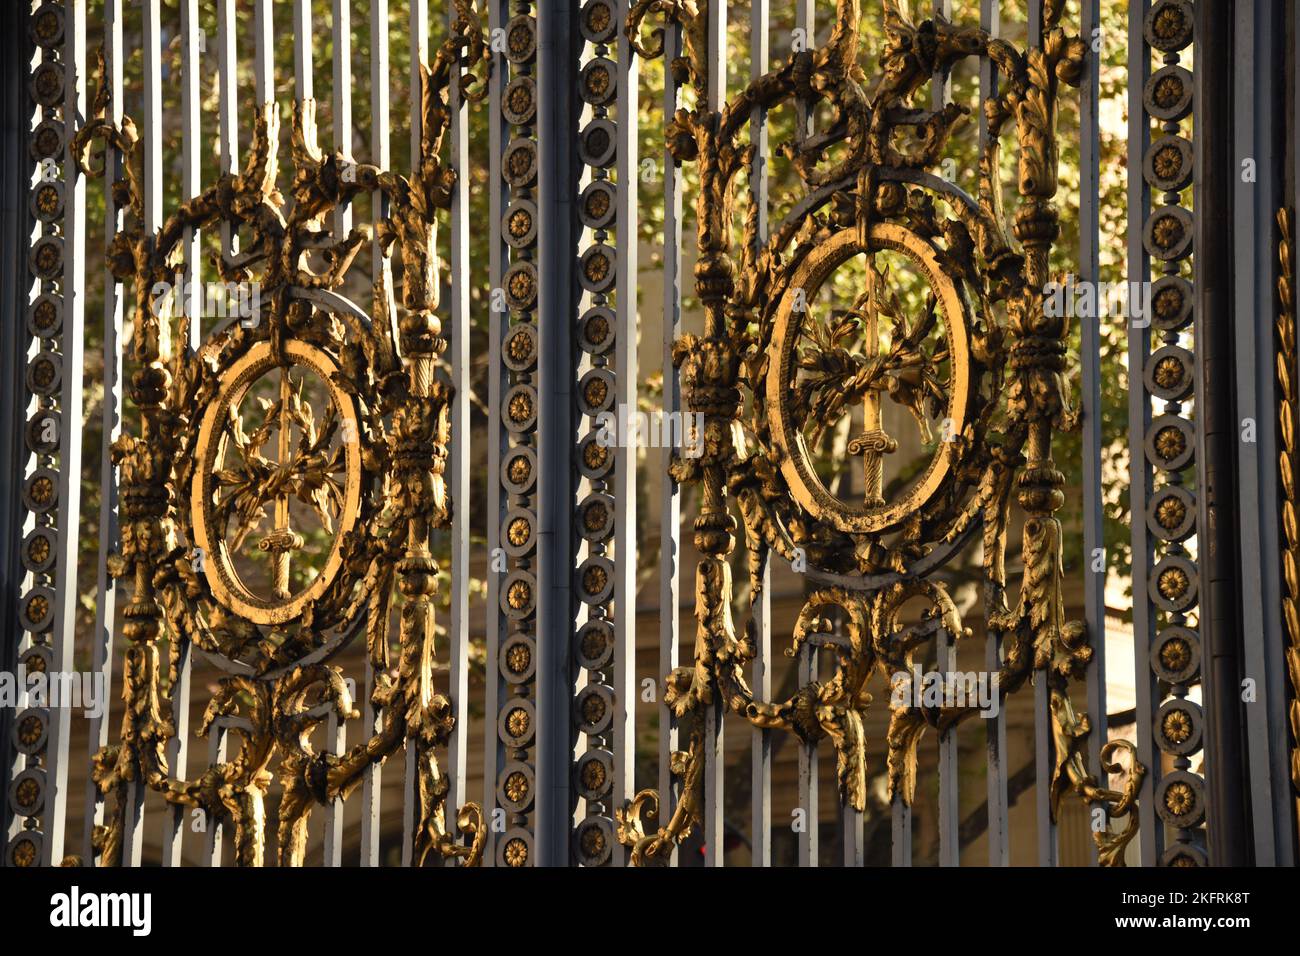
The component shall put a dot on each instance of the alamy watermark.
(977, 689)
(628, 428)
(1082, 299)
(70, 690)
(218, 300)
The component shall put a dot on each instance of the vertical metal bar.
(72, 347)
(419, 61)
(900, 832)
(381, 273)
(949, 818)
(227, 106)
(341, 22)
(341, 95)
(498, 12)
(714, 747)
(263, 44)
(1047, 840)
(133, 834)
(949, 769)
(111, 423)
(1094, 581)
(332, 834)
(15, 289)
(761, 673)
(1224, 267)
(217, 753)
(806, 20)
(808, 769)
(1266, 721)
(557, 305)
(191, 165)
(623, 485)
(671, 503)
(302, 41)
(458, 321)
(191, 297)
(1151, 832)
(419, 27)
(995, 727)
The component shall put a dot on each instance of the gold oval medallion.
(813, 378)
(262, 485)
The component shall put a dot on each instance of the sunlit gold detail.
(520, 222)
(1170, 442)
(1171, 512)
(519, 594)
(1173, 583)
(1289, 473)
(597, 268)
(521, 407)
(1168, 91)
(307, 475)
(519, 531)
(516, 786)
(520, 346)
(1176, 726)
(1168, 372)
(518, 722)
(1175, 654)
(595, 392)
(518, 658)
(521, 285)
(519, 469)
(516, 853)
(1179, 798)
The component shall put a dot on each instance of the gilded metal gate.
(344, 463)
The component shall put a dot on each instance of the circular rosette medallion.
(869, 344)
(277, 482)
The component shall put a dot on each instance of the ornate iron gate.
(272, 350)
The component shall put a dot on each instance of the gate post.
(15, 232)
(1217, 433)
(557, 57)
